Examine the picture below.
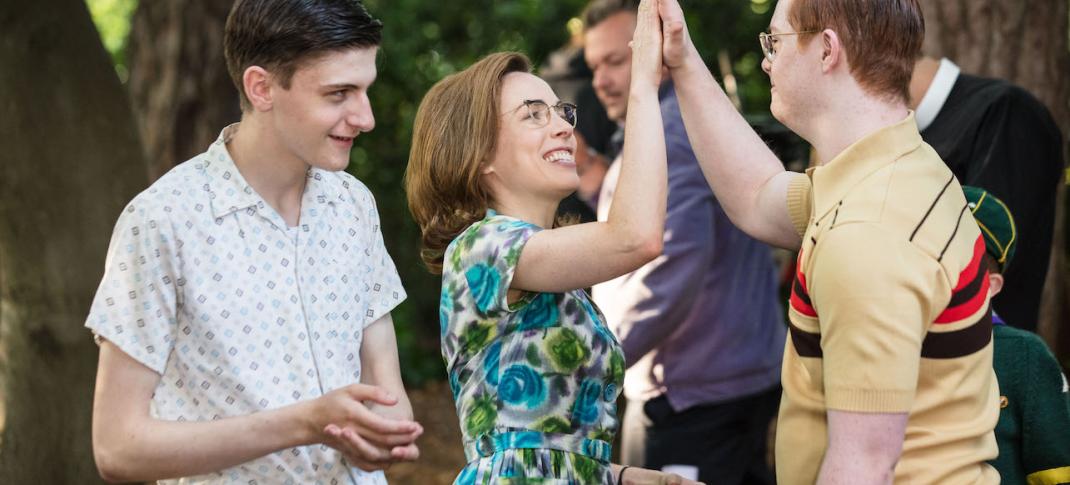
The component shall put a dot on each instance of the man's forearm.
(863, 448)
(382, 366)
(735, 161)
(849, 467)
(153, 449)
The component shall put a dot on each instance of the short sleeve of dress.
(485, 257)
(136, 305)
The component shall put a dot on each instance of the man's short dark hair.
(279, 35)
(600, 10)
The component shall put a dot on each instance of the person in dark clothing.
(701, 326)
(997, 136)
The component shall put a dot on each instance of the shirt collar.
(833, 180)
(937, 94)
(324, 186)
(230, 192)
(226, 187)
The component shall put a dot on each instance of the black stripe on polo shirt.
(966, 294)
(800, 291)
(953, 233)
(806, 344)
(959, 343)
(836, 215)
(931, 207)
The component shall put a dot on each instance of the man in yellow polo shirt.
(887, 368)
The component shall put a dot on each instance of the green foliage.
(112, 18)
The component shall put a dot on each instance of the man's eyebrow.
(339, 86)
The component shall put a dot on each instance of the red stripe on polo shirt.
(800, 298)
(973, 294)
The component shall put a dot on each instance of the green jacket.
(1033, 432)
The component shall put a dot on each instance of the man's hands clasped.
(367, 425)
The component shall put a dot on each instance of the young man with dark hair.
(244, 313)
(701, 326)
(1033, 432)
(888, 365)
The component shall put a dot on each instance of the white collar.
(936, 95)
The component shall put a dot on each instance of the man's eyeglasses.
(538, 112)
(766, 39)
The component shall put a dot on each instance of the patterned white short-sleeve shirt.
(205, 284)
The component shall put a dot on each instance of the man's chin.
(334, 164)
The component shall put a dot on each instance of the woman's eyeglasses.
(538, 112)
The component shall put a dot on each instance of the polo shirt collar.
(833, 180)
(230, 192)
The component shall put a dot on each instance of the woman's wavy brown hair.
(455, 133)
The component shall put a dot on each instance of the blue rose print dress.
(536, 381)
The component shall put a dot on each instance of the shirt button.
(610, 393)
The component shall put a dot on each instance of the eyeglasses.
(539, 112)
(766, 39)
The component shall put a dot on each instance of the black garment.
(997, 136)
(727, 442)
(573, 206)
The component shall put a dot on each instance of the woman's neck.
(539, 212)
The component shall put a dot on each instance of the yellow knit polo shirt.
(889, 312)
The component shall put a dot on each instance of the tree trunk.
(1024, 42)
(71, 159)
(179, 86)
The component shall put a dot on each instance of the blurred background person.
(701, 325)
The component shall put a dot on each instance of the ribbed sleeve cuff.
(799, 202)
(869, 401)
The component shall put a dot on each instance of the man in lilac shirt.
(701, 325)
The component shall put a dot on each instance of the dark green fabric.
(997, 224)
(1033, 431)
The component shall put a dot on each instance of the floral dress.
(535, 381)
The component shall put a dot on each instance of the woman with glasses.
(534, 370)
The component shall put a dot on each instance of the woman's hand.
(647, 48)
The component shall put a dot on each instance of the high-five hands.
(677, 47)
(646, 46)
